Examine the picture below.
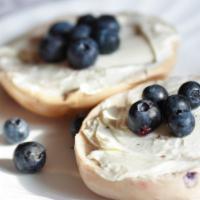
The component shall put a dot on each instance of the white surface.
(60, 180)
(9, 6)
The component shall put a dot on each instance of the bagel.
(118, 164)
(147, 52)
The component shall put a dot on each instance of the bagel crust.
(178, 181)
(147, 52)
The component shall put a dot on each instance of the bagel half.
(177, 175)
(31, 82)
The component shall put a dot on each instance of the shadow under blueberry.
(7, 166)
(2, 140)
(59, 179)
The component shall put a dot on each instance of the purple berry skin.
(144, 116)
(52, 49)
(191, 90)
(82, 53)
(108, 41)
(175, 104)
(108, 22)
(87, 19)
(60, 29)
(181, 123)
(29, 157)
(80, 31)
(16, 130)
(155, 93)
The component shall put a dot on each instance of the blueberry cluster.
(157, 106)
(80, 44)
(29, 157)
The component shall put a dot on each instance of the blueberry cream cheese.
(95, 57)
(152, 164)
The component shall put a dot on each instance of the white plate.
(60, 179)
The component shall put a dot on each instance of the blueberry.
(181, 123)
(144, 116)
(191, 90)
(76, 124)
(82, 53)
(15, 130)
(107, 22)
(60, 29)
(155, 93)
(175, 104)
(108, 41)
(80, 31)
(52, 49)
(87, 19)
(29, 157)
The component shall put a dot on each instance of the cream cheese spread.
(145, 41)
(119, 153)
